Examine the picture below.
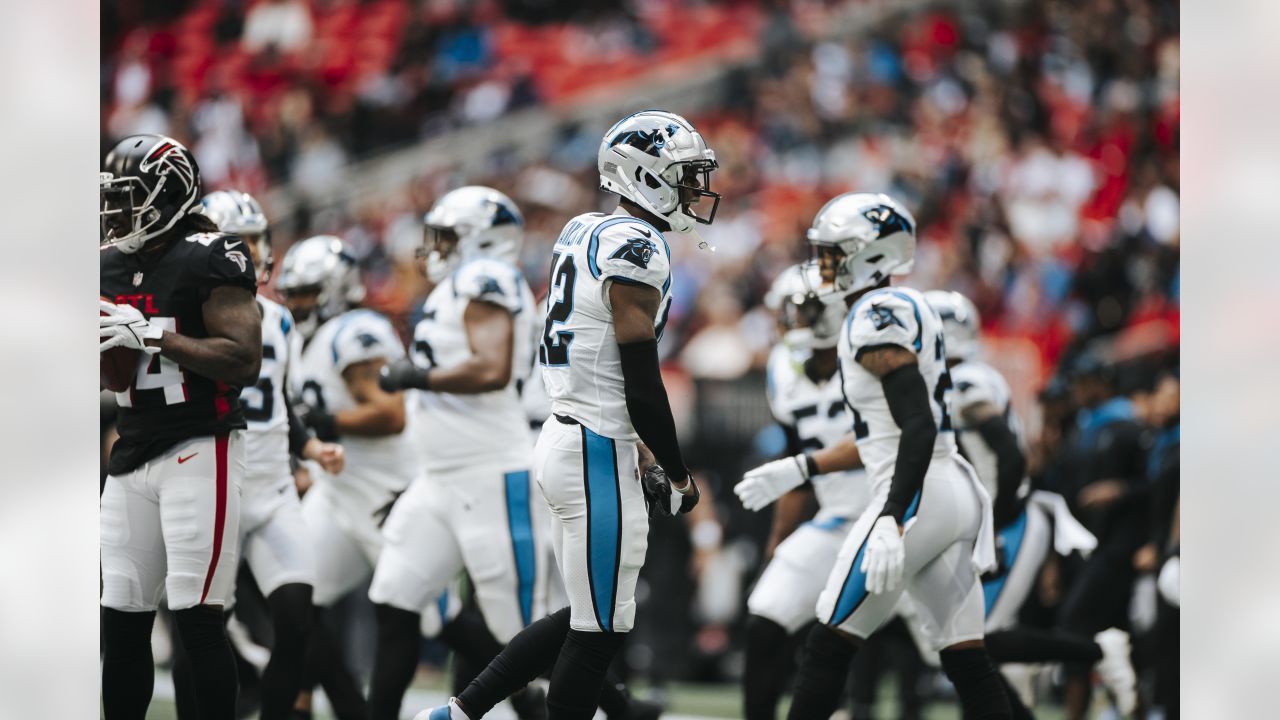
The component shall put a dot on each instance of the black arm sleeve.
(298, 433)
(1011, 466)
(908, 400)
(648, 406)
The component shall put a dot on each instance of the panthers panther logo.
(887, 221)
(637, 251)
(882, 317)
(489, 286)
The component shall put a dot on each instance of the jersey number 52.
(555, 343)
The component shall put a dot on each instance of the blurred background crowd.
(1036, 142)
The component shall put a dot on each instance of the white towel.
(1068, 533)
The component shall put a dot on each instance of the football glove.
(772, 480)
(320, 421)
(401, 375)
(661, 498)
(884, 557)
(125, 326)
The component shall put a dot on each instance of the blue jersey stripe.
(520, 521)
(604, 524)
(854, 590)
(1010, 544)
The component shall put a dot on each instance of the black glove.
(318, 420)
(663, 500)
(401, 375)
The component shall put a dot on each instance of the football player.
(336, 385)
(273, 540)
(181, 294)
(1027, 524)
(927, 528)
(475, 507)
(609, 298)
(806, 399)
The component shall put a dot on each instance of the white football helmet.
(240, 214)
(961, 326)
(651, 158)
(866, 236)
(321, 264)
(471, 222)
(810, 313)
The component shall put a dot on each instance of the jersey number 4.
(555, 343)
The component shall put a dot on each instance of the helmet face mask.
(148, 184)
(439, 249)
(810, 311)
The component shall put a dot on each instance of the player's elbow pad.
(908, 400)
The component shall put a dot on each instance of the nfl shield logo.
(137, 279)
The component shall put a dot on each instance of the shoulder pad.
(490, 280)
(222, 259)
(628, 249)
(888, 316)
(364, 335)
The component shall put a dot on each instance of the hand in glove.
(125, 326)
(318, 420)
(662, 498)
(401, 375)
(772, 480)
(884, 556)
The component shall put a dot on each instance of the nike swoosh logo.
(184, 459)
(228, 246)
(646, 232)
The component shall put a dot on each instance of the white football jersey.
(458, 430)
(976, 382)
(581, 365)
(819, 417)
(375, 466)
(267, 438)
(892, 316)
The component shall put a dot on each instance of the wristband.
(811, 466)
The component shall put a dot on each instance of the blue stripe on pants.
(443, 605)
(604, 523)
(1008, 545)
(520, 520)
(854, 590)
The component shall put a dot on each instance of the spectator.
(282, 26)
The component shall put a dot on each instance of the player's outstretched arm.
(1011, 463)
(233, 351)
(841, 455)
(908, 399)
(377, 412)
(634, 308)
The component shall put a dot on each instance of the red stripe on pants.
(220, 513)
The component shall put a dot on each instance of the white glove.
(884, 557)
(770, 481)
(125, 326)
(1167, 581)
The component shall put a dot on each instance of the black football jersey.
(167, 403)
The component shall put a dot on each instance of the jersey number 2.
(555, 343)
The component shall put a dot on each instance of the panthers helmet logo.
(887, 221)
(636, 251)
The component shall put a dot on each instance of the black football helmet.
(147, 184)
